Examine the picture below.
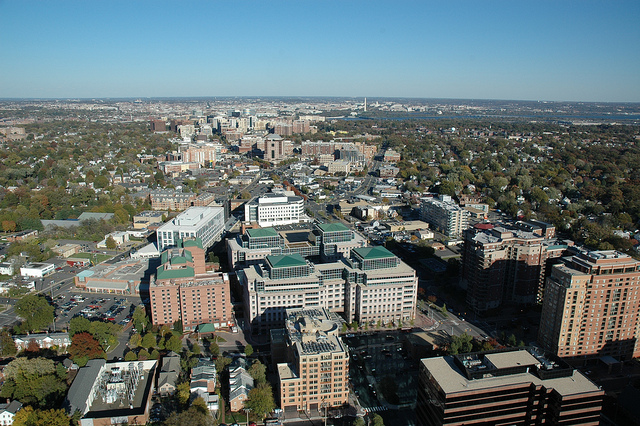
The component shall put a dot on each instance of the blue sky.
(530, 50)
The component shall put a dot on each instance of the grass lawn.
(99, 257)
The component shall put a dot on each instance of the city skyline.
(567, 51)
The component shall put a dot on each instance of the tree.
(191, 417)
(377, 420)
(173, 344)
(248, 350)
(183, 393)
(78, 325)
(214, 348)
(177, 326)
(149, 341)
(135, 340)
(35, 381)
(130, 356)
(258, 371)
(7, 344)
(27, 416)
(260, 400)
(359, 421)
(35, 311)
(221, 363)
(140, 319)
(143, 354)
(111, 243)
(85, 347)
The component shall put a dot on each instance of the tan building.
(591, 306)
(148, 217)
(67, 250)
(183, 289)
(316, 374)
(165, 199)
(517, 386)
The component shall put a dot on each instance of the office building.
(184, 290)
(591, 306)
(372, 285)
(444, 215)
(506, 265)
(316, 374)
(205, 223)
(275, 209)
(512, 387)
(166, 199)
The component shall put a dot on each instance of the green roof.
(286, 261)
(197, 242)
(333, 227)
(371, 253)
(185, 272)
(178, 260)
(206, 328)
(262, 232)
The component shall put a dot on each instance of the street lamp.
(324, 405)
(246, 412)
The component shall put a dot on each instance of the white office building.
(206, 223)
(275, 209)
(444, 215)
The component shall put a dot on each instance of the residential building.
(8, 411)
(507, 387)
(183, 290)
(391, 156)
(339, 167)
(444, 215)
(44, 341)
(6, 268)
(205, 223)
(203, 384)
(388, 171)
(506, 264)
(316, 372)
(275, 209)
(106, 393)
(169, 372)
(591, 306)
(205, 154)
(240, 383)
(165, 199)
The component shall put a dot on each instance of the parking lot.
(110, 308)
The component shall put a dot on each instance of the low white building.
(8, 411)
(37, 270)
(43, 340)
(6, 268)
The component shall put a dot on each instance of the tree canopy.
(36, 313)
(35, 381)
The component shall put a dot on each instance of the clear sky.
(564, 50)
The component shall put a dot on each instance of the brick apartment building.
(183, 289)
(591, 305)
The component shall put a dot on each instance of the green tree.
(183, 393)
(35, 311)
(173, 344)
(111, 243)
(359, 421)
(149, 341)
(34, 381)
(221, 363)
(461, 344)
(143, 355)
(78, 325)
(7, 344)
(248, 350)
(140, 319)
(130, 356)
(135, 340)
(258, 371)
(377, 420)
(260, 400)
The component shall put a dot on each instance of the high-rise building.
(591, 306)
(275, 209)
(183, 290)
(316, 374)
(506, 265)
(206, 223)
(444, 215)
(518, 386)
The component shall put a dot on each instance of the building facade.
(316, 374)
(444, 215)
(275, 209)
(506, 265)
(519, 386)
(591, 305)
(183, 290)
(205, 223)
(372, 285)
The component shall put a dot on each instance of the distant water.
(568, 118)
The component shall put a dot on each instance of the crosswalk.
(375, 409)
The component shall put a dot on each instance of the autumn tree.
(260, 400)
(27, 416)
(85, 347)
(35, 381)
